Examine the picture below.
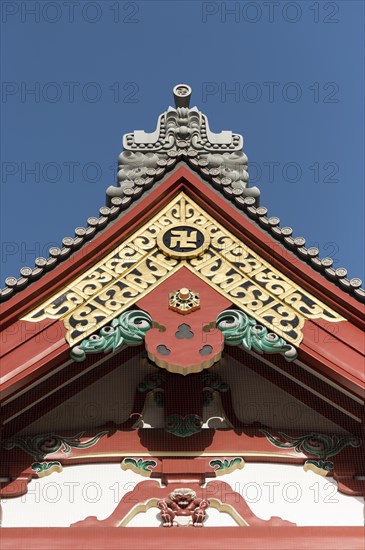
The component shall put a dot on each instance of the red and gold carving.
(178, 346)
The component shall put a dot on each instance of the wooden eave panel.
(307, 394)
(49, 394)
(339, 370)
(32, 358)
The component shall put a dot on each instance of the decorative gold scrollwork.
(183, 234)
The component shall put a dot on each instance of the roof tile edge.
(183, 134)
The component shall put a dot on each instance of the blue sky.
(77, 75)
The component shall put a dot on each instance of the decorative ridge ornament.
(182, 133)
(226, 466)
(139, 465)
(183, 426)
(181, 505)
(184, 301)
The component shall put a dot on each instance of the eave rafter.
(74, 377)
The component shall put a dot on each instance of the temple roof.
(183, 136)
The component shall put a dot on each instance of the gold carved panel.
(183, 234)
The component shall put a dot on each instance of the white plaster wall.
(287, 491)
(270, 490)
(77, 492)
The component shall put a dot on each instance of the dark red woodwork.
(185, 352)
(183, 395)
(17, 487)
(49, 394)
(63, 385)
(321, 397)
(172, 456)
(44, 347)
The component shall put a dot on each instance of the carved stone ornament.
(182, 134)
(182, 508)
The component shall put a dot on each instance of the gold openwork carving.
(182, 234)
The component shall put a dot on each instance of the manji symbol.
(182, 239)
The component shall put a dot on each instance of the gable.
(182, 235)
(44, 344)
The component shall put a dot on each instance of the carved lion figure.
(183, 502)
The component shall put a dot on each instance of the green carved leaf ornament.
(240, 329)
(130, 329)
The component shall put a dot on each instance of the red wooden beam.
(207, 538)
